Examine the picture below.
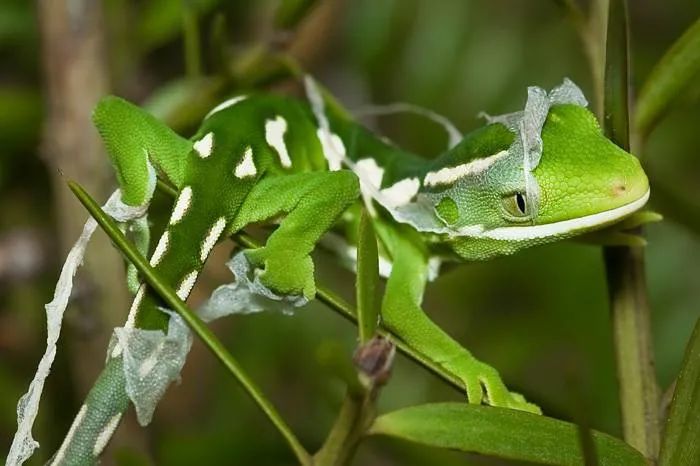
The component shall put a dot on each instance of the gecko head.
(582, 173)
(582, 182)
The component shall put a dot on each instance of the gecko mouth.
(547, 230)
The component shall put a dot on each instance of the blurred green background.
(540, 317)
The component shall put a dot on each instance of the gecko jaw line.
(565, 226)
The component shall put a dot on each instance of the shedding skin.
(401, 192)
(333, 149)
(370, 175)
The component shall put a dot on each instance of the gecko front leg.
(311, 203)
(402, 314)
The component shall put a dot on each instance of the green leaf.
(367, 279)
(504, 433)
(680, 444)
(668, 78)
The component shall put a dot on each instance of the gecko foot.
(283, 271)
(484, 385)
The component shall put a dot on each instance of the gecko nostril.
(619, 188)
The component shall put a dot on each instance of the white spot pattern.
(131, 319)
(205, 145)
(211, 238)
(246, 167)
(449, 175)
(161, 249)
(274, 135)
(182, 205)
(61, 453)
(226, 104)
(183, 291)
(106, 434)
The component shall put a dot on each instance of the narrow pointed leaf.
(503, 433)
(671, 75)
(367, 279)
(680, 444)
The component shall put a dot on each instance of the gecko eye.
(515, 206)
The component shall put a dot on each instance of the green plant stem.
(590, 29)
(150, 276)
(639, 393)
(193, 56)
(345, 310)
(355, 417)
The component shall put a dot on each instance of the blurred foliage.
(540, 317)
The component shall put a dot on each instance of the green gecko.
(527, 178)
